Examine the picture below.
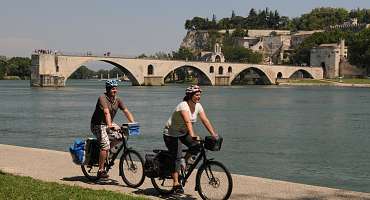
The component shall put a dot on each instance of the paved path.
(56, 166)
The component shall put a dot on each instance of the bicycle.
(130, 165)
(209, 178)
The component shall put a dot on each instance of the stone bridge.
(54, 70)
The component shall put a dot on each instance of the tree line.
(15, 67)
(318, 18)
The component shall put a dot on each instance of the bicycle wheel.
(90, 171)
(214, 181)
(163, 185)
(131, 168)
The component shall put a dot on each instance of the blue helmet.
(111, 83)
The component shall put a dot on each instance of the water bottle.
(182, 164)
(192, 159)
(115, 148)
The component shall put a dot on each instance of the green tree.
(319, 18)
(3, 65)
(359, 49)
(183, 54)
(239, 32)
(19, 66)
(83, 73)
(241, 54)
(142, 56)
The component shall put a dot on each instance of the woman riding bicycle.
(179, 127)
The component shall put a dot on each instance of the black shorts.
(174, 146)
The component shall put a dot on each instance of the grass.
(306, 81)
(354, 80)
(18, 187)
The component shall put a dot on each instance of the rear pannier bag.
(92, 151)
(77, 150)
(151, 166)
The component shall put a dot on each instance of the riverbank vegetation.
(18, 187)
(15, 68)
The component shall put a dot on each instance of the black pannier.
(158, 165)
(211, 144)
(151, 166)
(92, 151)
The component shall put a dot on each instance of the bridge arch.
(207, 79)
(127, 72)
(301, 73)
(263, 76)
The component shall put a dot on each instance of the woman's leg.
(192, 145)
(174, 147)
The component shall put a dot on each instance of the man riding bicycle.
(102, 122)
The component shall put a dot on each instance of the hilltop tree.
(359, 49)
(183, 54)
(241, 54)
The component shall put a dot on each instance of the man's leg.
(104, 150)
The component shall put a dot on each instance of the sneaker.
(103, 174)
(178, 189)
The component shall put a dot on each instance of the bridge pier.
(153, 80)
(222, 80)
(42, 77)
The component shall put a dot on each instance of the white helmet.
(192, 89)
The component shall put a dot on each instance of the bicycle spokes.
(214, 181)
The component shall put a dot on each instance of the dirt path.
(56, 166)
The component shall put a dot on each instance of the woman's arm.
(207, 124)
(186, 117)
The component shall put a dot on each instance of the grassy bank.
(18, 187)
(353, 81)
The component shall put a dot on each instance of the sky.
(123, 27)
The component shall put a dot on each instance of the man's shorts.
(105, 135)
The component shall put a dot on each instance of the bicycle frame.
(110, 162)
(184, 175)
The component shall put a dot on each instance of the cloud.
(13, 46)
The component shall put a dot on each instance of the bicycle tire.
(209, 180)
(90, 172)
(164, 185)
(131, 168)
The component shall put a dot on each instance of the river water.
(312, 135)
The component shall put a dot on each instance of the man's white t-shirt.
(175, 125)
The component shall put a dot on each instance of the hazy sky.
(123, 27)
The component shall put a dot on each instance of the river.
(311, 135)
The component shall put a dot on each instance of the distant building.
(215, 56)
(351, 25)
(264, 33)
(328, 56)
(298, 37)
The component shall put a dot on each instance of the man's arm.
(107, 116)
(128, 115)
